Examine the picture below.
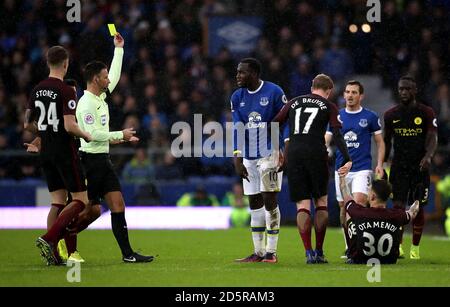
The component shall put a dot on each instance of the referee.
(93, 117)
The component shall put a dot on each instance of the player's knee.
(96, 212)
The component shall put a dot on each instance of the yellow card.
(112, 29)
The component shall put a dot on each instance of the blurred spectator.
(169, 168)
(139, 170)
(199, 198)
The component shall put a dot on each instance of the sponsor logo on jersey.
(254, 121)
(396, 121)
(351, 139)
(242, 104)
(103, 119)
(363, 122)
(408, 131)
(89, 119)
(264, 101)
(417, 120)
(72, 104)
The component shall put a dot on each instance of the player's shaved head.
(322, 82)
(253, 64)
(407, 89)
(56, 56)
(382, 189)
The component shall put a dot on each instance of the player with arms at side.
(374, 232)
(52, 103)
(254, 105)
(413, 128)
(358, 126)
(93, 116)
(307, 159)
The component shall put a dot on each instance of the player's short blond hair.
(323, 82)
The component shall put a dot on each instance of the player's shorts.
(307, 179)
(100, 174)
(359, 182)
(63, 171)
(263, 175)
(409, 184)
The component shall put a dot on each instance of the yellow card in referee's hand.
(112, 29)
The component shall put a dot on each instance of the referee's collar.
(101, 97)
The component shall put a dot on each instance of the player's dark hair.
(408, 78)
(253, 64)
(382, 189)
(322, 81)
(359, 84)
(56, 55)
(71, 82)
(92, 69)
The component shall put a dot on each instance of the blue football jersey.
(357, 129)
(256, 110)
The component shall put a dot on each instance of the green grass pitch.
(205, 258)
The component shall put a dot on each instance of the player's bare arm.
(239, 166)
(430, 145)
(414, 209)
(29, 124)
(342, 146)
(379, 172)
(71, 126)
(387, 142)
(345, 190)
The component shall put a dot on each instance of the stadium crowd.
(167, 76)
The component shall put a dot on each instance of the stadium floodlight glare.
(353, 28)
(366, 28)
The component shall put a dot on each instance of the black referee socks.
(120, 230)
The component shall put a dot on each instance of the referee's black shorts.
(100, 175)
(307, 178)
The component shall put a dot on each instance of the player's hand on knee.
(414, 209)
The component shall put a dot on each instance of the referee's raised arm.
(116, 64)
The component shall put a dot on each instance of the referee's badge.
(363, 122)
(89, 119)
(103, 119)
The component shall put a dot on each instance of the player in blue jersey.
(358, 126)
(254, 105)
